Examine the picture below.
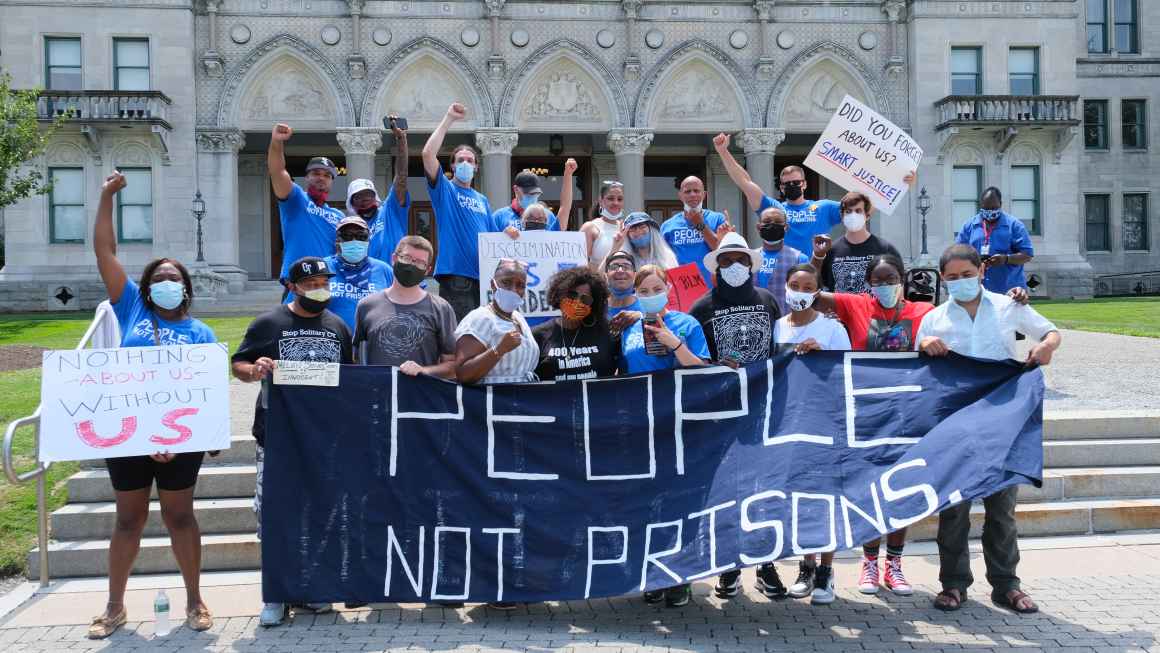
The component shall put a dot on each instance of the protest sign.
(687, 287)
(110, 403)
(545, 253)
(430, 491)
(862, 151)
(306, 373)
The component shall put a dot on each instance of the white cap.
(357, 186)
(733, 242)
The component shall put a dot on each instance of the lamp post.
(199, 213)
(923, 204)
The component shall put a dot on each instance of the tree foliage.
(22, 139)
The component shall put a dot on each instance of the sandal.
(198, 619)
(950, 599)
(104, 625)
(1013, 600)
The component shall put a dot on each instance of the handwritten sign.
(111, 403)
(687, 287)
(862, 151)
(306, 373)
(545, 253)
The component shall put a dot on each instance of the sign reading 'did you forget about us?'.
(544, 252)
(111, 403)
(863, 152)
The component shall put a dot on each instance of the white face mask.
(692, 208)
(799, 301)
(507, 300)
(611, 216)
(854, 221)
(735, 275)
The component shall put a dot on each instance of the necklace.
(568, 347)
(501, 316)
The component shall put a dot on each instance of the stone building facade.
(184, 94)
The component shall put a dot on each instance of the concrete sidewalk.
(1095, 594)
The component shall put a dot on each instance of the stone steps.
(215, 482)
(1075, 517)
(1119, 452)
(232, 552)
(241, 452)
(83, 521)
(1094, 482)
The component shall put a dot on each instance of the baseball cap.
(528, 182)
(323, 163)
(358, 186)
(309, 266)
(352, 220)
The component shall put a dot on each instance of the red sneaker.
(868, 580)
(895, 580)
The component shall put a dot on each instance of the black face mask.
(312, 305)
(792, 191)
(772, 232)
(534, 226)
(408, 275)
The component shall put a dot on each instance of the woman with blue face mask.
(152, 312)
(493, 343)
(640, 237)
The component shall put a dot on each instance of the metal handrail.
(41, 469)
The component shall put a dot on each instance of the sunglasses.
(582, 298)
(348, 236)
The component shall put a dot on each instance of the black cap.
(309, 266)
(528, 182)
(323, 163)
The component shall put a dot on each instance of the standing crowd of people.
(356, 293)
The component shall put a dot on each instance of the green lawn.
(19, 395)
(1129, 316)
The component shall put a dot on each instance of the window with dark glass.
(1134, 124)
(1097, 25)
(1127, 36)
(1095, 124)
(1096, 223)
(1135, 221)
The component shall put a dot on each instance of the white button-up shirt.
(991, 334)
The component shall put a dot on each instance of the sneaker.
(728, 584)
(679, 596)
(868, 581)
(804, 584)
(502, 605)
(451, 605)
(354, 605)
(823, 592)
(273, 614)
(654, 596)
(769, 583)
(894, 579)
(316, 608)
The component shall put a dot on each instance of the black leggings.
(138, 472)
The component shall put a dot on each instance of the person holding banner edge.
(154, 312)
(579, 344)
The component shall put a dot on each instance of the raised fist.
(281, 132)
(822, 245)
(456, 111)
(114, 183)
(721, 141)
(570, 166)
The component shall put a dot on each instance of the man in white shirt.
(980, 323)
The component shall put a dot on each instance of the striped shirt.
(516, 366)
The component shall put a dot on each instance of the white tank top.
(603, 242)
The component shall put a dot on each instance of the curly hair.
(565, 281)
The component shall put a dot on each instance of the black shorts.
(138, 472)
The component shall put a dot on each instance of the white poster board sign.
(863, 152)
(306, 373)
(111, 403)
(545, 252)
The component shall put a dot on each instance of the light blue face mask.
(887, 296)
(653, 303)
(964, 290)
(464, 172)
(642, 241)
(354, 251)
(167, 295)
(528, 200)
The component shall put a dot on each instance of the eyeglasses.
(583, 298)
(620, 267)
(410, 260)
(357, 235)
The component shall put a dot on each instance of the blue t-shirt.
(461, 214)
(1009, 236)
(307, 229)
(683, 325)
(806, 220)
(506, 217)
(688, 243)
(351, 283)
(389, 226)
(769, 264)
(613, 311)
(136, 321)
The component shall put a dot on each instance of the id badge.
(986, 250)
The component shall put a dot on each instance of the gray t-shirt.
(397, 333)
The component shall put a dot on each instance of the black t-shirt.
(587, 353)
(282, 335)
(742, 331)
(844, 269)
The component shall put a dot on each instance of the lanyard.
(987, 229)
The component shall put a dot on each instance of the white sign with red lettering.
(112, 403)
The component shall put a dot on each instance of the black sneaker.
(728, 584)
(503, 605)
(654, 596)
(769, 583)
(354, 605)
(804, 584)
(679, 596)
(453, 605)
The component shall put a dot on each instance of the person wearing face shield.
(356, 273)
(303, 330)
(843, 263)
(640, 237)
(1001, 240)
(526, 191)
(151, 312)
(493, 343)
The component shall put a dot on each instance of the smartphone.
(400, 122)
(653, 346)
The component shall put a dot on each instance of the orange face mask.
(574, 309)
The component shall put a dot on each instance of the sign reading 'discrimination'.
(544, 252)
(111, 403)
(863, 152)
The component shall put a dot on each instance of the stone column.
(765, 64)
(359, 145)
(632, 58)
(495, 62)
(895, 13)
(356, 64)
(496, 147)
(629, 146)
(218, 163)
(759, 146)
(211, 61)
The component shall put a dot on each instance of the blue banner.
(395, 488)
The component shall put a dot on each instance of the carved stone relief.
(562, 92)
(968, 155)
(697, 93)
(816, 95)
(1024, 153)
(132, 153)
(422, 92)
(288, 90)
(65, 153)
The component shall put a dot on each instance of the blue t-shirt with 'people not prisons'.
(637, 361)
(351, 283)
(307, 229)
(136, 320)
(689, 244)
(461, 214)
(806, 220)
(507, 217)
(389, 226)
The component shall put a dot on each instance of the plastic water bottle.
(161, 625)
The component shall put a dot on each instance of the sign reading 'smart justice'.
(863, 152)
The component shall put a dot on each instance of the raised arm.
(431, 149)
(276, 161)
(105, 241)
(740, 177)
(565, 211)
(401, 162)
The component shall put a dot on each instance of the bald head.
(692, 191)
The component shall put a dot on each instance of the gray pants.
(1000, 544)
(461, 292)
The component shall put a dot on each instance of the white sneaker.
(823, 592)
(273, 614)
(804, 585)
